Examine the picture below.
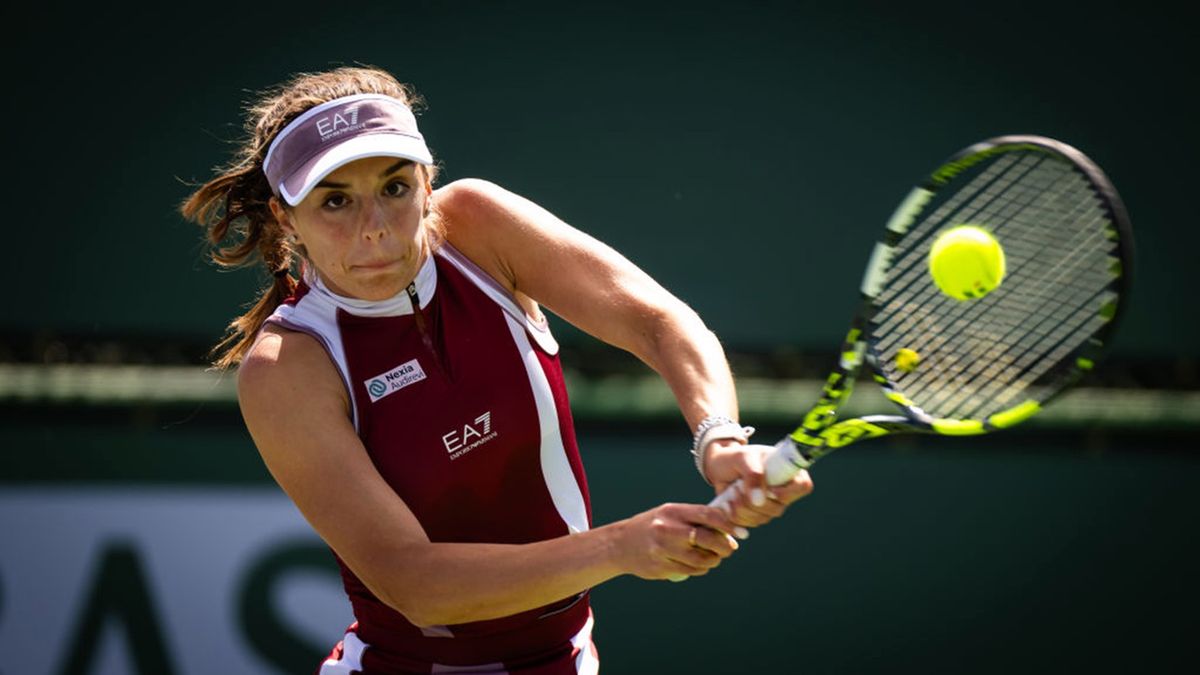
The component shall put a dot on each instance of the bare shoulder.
(542, 260)
(483, 221)
(471, 199)
(284, 367)
(476, 209)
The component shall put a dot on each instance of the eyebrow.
(386, 172)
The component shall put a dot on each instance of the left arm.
(537, 256)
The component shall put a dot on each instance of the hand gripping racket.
(960, 368)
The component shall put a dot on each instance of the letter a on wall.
(119, 591)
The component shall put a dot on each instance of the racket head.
(993, 361)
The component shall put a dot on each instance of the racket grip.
(780, 466)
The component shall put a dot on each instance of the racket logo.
(850, 431)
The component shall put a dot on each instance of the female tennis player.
(405, 391)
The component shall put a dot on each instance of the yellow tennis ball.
(966, 262)
(907, 360)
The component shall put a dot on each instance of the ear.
(284, 218)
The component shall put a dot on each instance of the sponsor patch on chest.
(409, 372)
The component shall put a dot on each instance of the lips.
(378, 265)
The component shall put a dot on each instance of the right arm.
(298, 414)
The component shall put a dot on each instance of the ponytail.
(236, 204)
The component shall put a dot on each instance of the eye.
(334, 200)
(395, 188)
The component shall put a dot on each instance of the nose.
(374, 220)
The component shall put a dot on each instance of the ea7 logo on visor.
(394, 380)
(338, 123)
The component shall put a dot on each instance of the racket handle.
(780, 466)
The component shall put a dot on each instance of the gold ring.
(692, 537)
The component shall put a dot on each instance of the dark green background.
(746, 154)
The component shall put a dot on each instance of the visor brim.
(296, 187)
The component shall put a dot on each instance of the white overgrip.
(780, 467)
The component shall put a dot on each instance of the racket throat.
(782, 464)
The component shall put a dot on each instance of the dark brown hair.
(234, 204)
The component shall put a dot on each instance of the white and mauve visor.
(336, 133)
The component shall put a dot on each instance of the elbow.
(673, 325)
(420, 606)
(685, 320)
(411, 582)
(403, 598)
(417, 611)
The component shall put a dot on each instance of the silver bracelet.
(714, 428)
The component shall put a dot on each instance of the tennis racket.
(992, 362)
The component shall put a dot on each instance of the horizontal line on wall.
(762, 400)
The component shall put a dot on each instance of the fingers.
(712, 518)
(675, 541)
(712, 541)
(735, 463)
(748, 514)
(689, 540)
(728, 461)
(753, 478)
(706, 548)
(799, 487)
(753, 508)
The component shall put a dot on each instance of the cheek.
(322, 242)
(408, 220)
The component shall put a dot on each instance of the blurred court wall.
(1027, 554)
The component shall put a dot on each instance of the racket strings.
(977, 356)
(915, 291)
(1066, 315)
(994, 371)
(909, 274)
(983, 353)
(959, 385)
(1005, 391)
(909, 268)
(1013, 372)
(977, 348)
(1004, 315)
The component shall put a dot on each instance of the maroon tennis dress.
(463, 410)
